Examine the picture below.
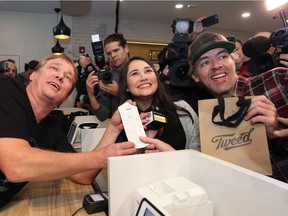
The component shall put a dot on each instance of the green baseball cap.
(208, 41)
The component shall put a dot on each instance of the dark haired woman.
(140, 83)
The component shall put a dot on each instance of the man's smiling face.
(54, 80)
(215, 70)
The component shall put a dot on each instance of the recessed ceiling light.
(191, 6)
(178, 6)
(245, 15)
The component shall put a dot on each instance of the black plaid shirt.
(274, 85)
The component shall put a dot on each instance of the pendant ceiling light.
(57, 49)
(61, 31)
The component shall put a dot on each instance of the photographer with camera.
(266, 51)
(82, 99)
(104, 103)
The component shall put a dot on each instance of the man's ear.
(31, 77)
(126, 48)
(195, 77)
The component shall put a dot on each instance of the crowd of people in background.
(218, 67)
(234, 75)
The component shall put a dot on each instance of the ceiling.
(229, 12)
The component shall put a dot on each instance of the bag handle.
(235, 119)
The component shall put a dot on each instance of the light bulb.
(182, 27)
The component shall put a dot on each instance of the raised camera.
(104, 74)
(175, 54)
(260, 59)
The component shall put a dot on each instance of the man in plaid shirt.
(212, 66)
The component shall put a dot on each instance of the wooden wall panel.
(147, 50)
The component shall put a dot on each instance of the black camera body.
(82, 76)
(104, 74)
(175, 55)
(209, 21)
(3, 67)
(263, 63)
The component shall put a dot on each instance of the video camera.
(256, 48)
(3, 67)
(175, 54)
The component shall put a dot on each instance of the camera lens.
(106, 76)
(178, 73)
(181, 73)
